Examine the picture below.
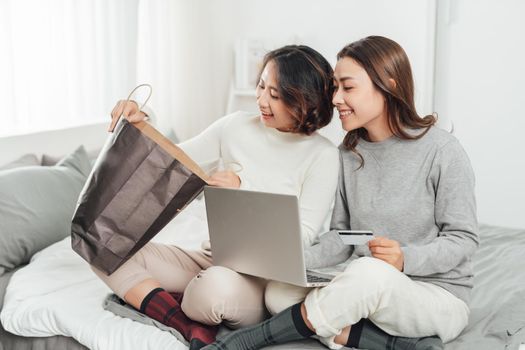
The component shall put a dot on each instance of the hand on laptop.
(226, 179)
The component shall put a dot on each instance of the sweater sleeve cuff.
(245, 185)
(410, 260)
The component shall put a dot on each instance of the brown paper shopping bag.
(139, 182)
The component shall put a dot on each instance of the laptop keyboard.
(316, 279)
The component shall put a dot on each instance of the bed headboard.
(55, 142)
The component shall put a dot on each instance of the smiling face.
(359, 102)
(274, 112)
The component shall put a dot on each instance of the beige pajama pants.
(370, 288)
(212, 294)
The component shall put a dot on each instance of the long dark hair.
(305, 83)
(384, 59)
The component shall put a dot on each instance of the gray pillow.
(48, 160)
(36, 206)
(25, 160)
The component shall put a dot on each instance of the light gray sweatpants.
(212, 294)
(371, 288)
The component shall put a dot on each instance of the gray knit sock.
(426, 343)
(366, 335)
(286, 326)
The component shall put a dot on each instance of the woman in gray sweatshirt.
(412, 185)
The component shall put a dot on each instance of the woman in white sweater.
(278, 150)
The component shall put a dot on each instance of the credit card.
(355, 237)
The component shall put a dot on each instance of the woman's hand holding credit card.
(381, 248)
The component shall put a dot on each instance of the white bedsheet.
(58, 294)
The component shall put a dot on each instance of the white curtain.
(156, 57)
(64, 63)
(174, 57)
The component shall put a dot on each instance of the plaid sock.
(177, 296)
(163, 307)
(366, 335)
(286, 326)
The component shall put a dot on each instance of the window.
(64, 63)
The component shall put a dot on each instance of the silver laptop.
(259, 234)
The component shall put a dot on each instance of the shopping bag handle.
(147, 98)
(115, 121)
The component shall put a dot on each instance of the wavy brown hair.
(305, 85)
(384, 59)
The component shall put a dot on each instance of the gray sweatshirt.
(419, 193)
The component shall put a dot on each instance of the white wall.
(480, 77)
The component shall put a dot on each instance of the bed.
(54, 301)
